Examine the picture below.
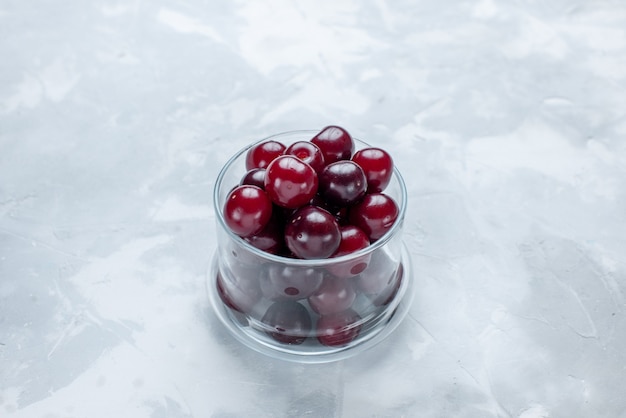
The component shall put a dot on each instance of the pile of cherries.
(313, 199)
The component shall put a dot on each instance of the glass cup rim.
(295, 261)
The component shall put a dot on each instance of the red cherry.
(307, 152)
(247, 210)
(338, 329)
(375, 214)
(334, 295)
(377, 166)
(288, 322)
(312, 233)
(352, 239)
(335, 142)
(289, 182)
(260, 155)
(342, 183)
(254, 177)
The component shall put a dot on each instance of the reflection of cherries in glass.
(290, 182)
(288, 322)
(240, 296)
(338, 329)
(334, 295)
(377, 166)
(290, 282)
(378, 275)
(389, 293)
(247, 210)
(312, 232)
(260, 155)
(335, 142)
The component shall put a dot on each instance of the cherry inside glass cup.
(309, 310)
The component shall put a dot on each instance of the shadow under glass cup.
(308, 311)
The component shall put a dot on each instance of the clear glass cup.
(308, 310)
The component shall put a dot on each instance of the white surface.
(506, 119)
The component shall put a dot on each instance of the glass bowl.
(309, 311)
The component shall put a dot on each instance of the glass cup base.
(243, 328)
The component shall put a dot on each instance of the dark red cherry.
(377, 166)
(254, 177)
(352, 239)
(338, 329)
(290, 282)
(307, 152)
(287, 322)
(289, 182)
(247, 210)
(334, 295)
(312, 233)
(335, 142)
(260, 155)
(342, 183)
(375, 214)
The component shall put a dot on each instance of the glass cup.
(308, 311)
